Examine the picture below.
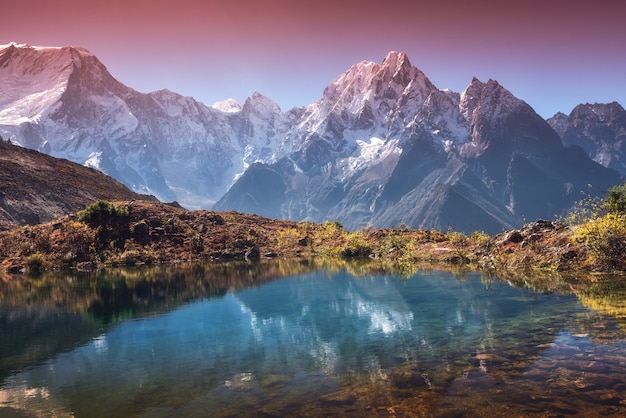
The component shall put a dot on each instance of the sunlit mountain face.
(383, 145)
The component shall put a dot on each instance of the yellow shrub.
(479, 237)
(409, 251)
(289, 237)
(605, 239)
(456, 237)
(356, 245)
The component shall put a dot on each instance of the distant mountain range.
(599, 129)
(382, 146)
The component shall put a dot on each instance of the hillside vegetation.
(141, 232)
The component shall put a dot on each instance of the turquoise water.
(314, 344)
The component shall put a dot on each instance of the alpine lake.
(311, 338)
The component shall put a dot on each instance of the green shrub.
(333, 225)
(135, 257)
(110, 221)
(585, 209)
(456, 237)
(36, 263)
(595, 207)
(600, 224)
(104, 213)
(616, 200)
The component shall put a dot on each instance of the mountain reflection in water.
(230, 340)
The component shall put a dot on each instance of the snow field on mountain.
(379, 131)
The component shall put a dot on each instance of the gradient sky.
(553, 54)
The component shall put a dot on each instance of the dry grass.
(156, 233)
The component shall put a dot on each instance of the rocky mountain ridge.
(390, 148)
(382, 146)
(599, 129)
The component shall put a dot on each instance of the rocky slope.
(36, 188)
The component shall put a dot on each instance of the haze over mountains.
(382, 146)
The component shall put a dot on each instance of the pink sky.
(553, 54)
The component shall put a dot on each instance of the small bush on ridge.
(103, 213)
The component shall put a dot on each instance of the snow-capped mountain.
(382, 146)
(64, 102)
(599, 129)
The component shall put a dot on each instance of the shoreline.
(149, 233)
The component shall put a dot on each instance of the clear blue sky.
(552, 54)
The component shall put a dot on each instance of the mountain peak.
(397, 66)
(489, 95)
(8, 47)
(43, 59)
(382, 85)
(599, 108)
(598, 128)
(27, 47)
(480, 84)
(262, 103)
(396, 60)
(14, 45)
(228, 106)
